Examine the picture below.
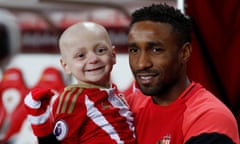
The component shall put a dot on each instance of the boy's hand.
(37, 104)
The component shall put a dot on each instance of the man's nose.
(144, 61)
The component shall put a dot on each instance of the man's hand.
(37, 104)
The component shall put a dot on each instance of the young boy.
(91, 111)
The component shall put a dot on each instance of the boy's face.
(89, 57)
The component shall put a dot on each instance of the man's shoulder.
(203, 99)
(137, 100)
(205, 113)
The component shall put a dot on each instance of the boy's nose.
(93, 58)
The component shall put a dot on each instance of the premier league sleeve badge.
(60, 130)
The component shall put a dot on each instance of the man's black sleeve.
(50, 139)
(210, 138)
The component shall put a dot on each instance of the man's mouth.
(145, 78)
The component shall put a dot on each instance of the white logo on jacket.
(60, 130)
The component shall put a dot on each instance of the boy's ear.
(114, 53)
(65, 66)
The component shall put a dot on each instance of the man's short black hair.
(166, 14)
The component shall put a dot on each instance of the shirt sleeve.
(69, 118)
(210, 123)
(210, 138)
(49, 139)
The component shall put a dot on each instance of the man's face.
(153, 56)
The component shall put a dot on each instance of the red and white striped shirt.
(91, 114)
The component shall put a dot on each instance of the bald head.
(80, 34)
(87, 53)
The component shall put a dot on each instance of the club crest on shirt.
(60, 130)
(105, 105)
(165, 140)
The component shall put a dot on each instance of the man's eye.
(132, 50)
(156, 50)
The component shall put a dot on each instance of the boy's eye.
(81, 55)
(101, 50)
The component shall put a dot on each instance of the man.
(177, 110)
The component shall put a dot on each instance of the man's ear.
(65, 66)
(185, 52)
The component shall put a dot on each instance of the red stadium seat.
(12, 92)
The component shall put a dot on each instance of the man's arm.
(210, 138)
(49, 139)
